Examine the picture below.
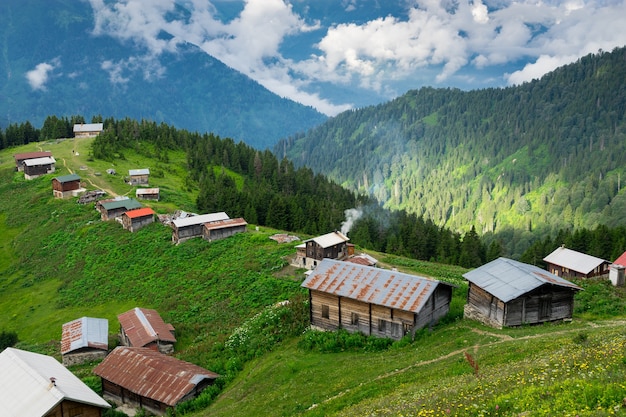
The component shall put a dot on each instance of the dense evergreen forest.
(513, 163)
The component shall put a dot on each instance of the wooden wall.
(222, 233)
(71, 408)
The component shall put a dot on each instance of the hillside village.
(346, 290)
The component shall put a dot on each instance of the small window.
(354, 319)
(395, 330)
(382, 325)
(325, 312)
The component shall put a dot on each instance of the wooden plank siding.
(73, 408)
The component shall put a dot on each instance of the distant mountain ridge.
(51, 64)
(545, 155)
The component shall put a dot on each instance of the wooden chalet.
(66, 186)
(111, 209)
(86, 130)
(148, 194)
(138, 176)
(32, 384)
(144, 327)
(505, 292)
(193, 226)
(570, 263)
(21, 157)
(332, 245)
(84, 340)
(134, 220)
(37, 167)
(221, 229)
(143, 378)
(374, 301)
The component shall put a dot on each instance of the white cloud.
(38, 77)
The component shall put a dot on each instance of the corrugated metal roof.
(88, 127)
(221, 224)
(145, 211)
(329, 239)
(144, 326)
(576, 261)
(621, 260)
(152, 374)
(128, 204)
(201, 219)
(46, 160)
(31, 155)
(143, 191)
(67, 178)
(372, 285)
(85, 332)
(508, 279)
(26, 389)
(144, 171)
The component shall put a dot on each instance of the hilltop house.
(505, 292)
(138, 176)
(85, 130)
(32, 384)
(83, 340)
(111, 209)
(193, 226)
(569, 263)
(21, 157)
(221, 229)
(374, 301)
(332, 245)
(134, 220)
(143, 378)
(148, 194)
(37, 167)
(144, 327)
(66, 186)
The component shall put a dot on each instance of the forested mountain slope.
(545, 155)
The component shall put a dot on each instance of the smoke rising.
(352, 215)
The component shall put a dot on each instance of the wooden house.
(66, 186)
(193, 226)
(111, 209)
(143, 378)
(221, 229)
(374, 301)
(148, 194)
(37, 167)
(331, 245)
(21, 157)
(139, 176)
(32, 384)
(134, 220)
(570, 263)
(144, 327)
(86, 130)
(84, 340)
(505, 292)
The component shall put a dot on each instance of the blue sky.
(340, 54)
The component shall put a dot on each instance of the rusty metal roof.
(144, 326)
(144, 191)
(31, 155)
(508, 279)
(383, 287)
(222, 224)
(152, 374)
(141, 212)
(85, 332)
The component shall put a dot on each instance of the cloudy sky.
(338, 54)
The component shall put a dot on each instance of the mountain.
(53, 64)
(545, 155)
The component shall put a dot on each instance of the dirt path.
(110, 192)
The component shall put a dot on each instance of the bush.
(342, 340)
(7, 339)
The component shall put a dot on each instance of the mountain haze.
(545, 155)
(52, 63)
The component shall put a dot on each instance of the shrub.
(7, 339)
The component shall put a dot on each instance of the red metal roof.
(141, 212)
(152, 374)
(31, 155)
(144, 326)
(621, 260)
(222, 224)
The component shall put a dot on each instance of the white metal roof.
(46, 160)
(27, 391)
(143, 171)
(576, 261)
(329, 239)
(85, 332)
(88, 127)
(201, 219)
(508, 279)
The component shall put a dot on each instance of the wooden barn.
(570, 263)
(37, 167)
(221, 229)
(84, 340)
(66, 186)
(505, 292)
(148, 194)
(134, 220)
(193, 226)
(32, 384)
(111, 209)
(374, 301)
(144, 327)
(143, 378)
(332, 245)
(138, 176)
(86, 130)
(21, 157)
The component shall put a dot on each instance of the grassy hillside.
(58, 261)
